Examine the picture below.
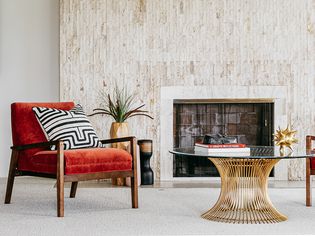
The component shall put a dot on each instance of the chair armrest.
(35, 145)
(118, 140)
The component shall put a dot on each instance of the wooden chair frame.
(309, 171)
(74, 178)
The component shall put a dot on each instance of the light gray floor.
(164, 184)
(167, 208)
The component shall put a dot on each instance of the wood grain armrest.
(35, 145)
(118, 140)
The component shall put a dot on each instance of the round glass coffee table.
(244, 184)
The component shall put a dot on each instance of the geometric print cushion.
(73, 127)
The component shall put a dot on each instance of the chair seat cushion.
(81, 161)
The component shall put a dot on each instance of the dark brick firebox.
(251, 121)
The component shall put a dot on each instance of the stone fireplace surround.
(168, 94)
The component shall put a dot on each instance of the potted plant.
(120, 106)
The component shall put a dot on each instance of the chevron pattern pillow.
(73, 127)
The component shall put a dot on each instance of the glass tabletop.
(255, 152)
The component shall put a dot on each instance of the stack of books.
(229, 149)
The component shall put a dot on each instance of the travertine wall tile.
(147, 44)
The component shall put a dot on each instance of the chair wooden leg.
(74, 186)
(134, 178)
(308, 183)
(60, 180)
(134, 192)
(11, 176)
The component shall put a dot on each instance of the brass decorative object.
(285, 138)
(244, 197)
(118, 130)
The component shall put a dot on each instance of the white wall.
(29, 60)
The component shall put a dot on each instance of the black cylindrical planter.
(147, 177)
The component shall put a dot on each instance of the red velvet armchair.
(31, 156)
(310, 169)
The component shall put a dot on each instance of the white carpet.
(97, 211)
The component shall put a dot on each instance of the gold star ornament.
(285, 138)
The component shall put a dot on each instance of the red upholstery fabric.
(313, 161)
(26, 130)
(81, 161)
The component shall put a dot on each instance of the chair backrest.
(25, 127)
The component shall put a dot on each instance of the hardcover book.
(227, 145)
(223, 150)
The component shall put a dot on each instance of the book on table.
(223, 145)
(223, 154)
(236, 149)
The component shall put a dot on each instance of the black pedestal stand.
(147, 177)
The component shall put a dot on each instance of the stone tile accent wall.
(146, 45)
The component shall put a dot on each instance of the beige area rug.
(169, 211)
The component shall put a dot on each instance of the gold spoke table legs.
(244, 197)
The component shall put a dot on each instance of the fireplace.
(170, 95)
(252, 121)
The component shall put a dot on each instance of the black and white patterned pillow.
(73, 127)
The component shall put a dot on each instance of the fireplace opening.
(250, 120)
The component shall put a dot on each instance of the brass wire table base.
(244, 197)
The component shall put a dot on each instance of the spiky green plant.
(120, 106)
